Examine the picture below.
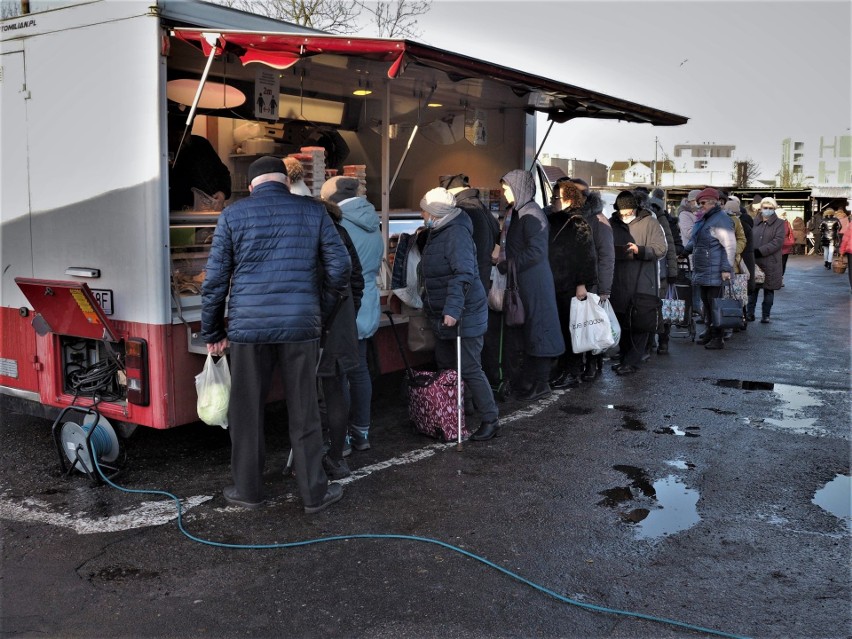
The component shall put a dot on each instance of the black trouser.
(569, 360)
(335, 393)
(252, 367)
(537, 369)
(784, 263)
(708, 294)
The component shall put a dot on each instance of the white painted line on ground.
(148, 513)
(157, 513)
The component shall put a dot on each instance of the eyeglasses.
(768, 208)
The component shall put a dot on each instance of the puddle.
(678, 510)
(671, 429)
(744, 384)
(836, 498)
(675, 505)
(680, 464)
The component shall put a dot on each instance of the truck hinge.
(37, 365)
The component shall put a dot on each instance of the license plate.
(103, 296)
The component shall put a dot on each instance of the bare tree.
(745, 172)
(789, 179)
(334, 16)
(9, 9)
(398, 19)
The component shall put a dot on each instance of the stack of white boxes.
(313, 160)
(358, 171)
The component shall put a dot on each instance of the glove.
(503, 267)
(757, 253)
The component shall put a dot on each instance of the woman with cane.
(453, 294)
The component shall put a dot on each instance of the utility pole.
(655, 160)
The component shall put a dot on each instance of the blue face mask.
(767, 212)
(429, 223)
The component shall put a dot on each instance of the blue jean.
(360, 389)
(768, 299)
(471, 372)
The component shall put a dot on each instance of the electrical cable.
(425, 540)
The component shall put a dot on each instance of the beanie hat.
(756, 199)
(732, 207)
(626, 200)
(264, 165)
(339, 188)
(460, 180)
(709, 192)
(733, 198)
(658, 192)
(439, 202)
(769, 200)
(693, 195)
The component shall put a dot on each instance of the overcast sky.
(745, 73)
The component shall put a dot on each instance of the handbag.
(513, 307)
(840, 263)
(739, 282)
(420, 335)
(589, 325)
(643, 311)
(497, 290)
(726, 311)
(759, 275)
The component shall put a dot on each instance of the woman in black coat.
(339, 348)
(527, 246)
(573, 262)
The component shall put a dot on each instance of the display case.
(190, 237)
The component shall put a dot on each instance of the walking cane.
(459, 404)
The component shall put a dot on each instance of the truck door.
(16, 253)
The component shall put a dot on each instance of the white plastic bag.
(498, 287)
(411, 293)
(590, 325)
(213, 385)
(614, 326)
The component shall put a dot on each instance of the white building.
(705, 163)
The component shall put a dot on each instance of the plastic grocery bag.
(614, 326)
(498, 287)
(590, 326)
(213, 385)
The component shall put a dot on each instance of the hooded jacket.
(451, 279)
(602, 235)
(527, 245)
(363, 225)
(486, 231)
(265, 261)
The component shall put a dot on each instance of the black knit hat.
(339, 188)
(626, 200)
(460, 180)
(264, 165)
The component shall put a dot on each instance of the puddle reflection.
(836, 498)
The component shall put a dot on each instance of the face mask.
(429, 223)
(766, 212)
(627, 219)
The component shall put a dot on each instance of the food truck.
(101, 279)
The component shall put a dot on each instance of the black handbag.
(644, 312)
(513, 307)
(726, 312)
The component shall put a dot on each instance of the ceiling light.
(434, 105)
(361, 92)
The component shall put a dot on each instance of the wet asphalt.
(712, 489)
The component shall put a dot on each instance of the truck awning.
(560, 101)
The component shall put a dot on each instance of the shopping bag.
(674, 309)
(726, 311)
(759, 275)
(614, 326)
(589, 325)
(213, 386)
(739, 282)
(839, 263)
(497, 290)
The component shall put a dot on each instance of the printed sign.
(103, 296)
(267, 90)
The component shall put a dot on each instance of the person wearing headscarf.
(573, 262)
(527, 246)
(454, 300)
(769, 235)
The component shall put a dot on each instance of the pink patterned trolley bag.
(433, 405)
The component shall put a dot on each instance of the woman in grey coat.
(768, 235)
(527, 246)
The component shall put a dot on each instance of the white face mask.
(626, 217)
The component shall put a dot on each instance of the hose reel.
(84, 440)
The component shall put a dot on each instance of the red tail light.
(136, 367)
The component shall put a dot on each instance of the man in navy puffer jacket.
(266, 254)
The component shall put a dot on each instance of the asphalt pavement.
(712, 489)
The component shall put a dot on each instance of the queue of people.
(298, 276)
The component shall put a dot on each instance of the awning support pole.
(385, 179)
(552, 122)
(211, 40)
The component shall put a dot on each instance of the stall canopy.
(399, 58)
